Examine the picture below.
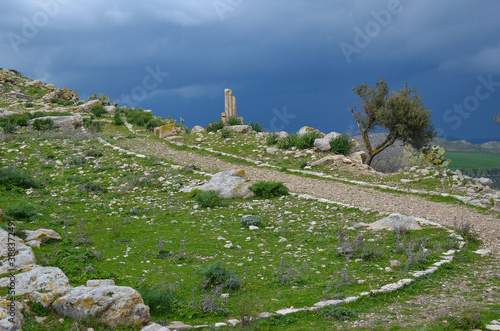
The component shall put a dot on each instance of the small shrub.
(11, 177)
(9, 127)
(152, 123)
(39, 310)
(336, 312)
(466, 230)
(215, 274)
(212, 302)
(92, 187)
(225, 134)
(208, 198)
(250, 220)
(342, 144)
(93, 126)
(76, 160)
(233, 121)
(43, 125)
(269, 189)
(160, 299)
(214, 126)
(288, 273)
(62, 102)
(98, 111)
(21, 210)
(450, 243)
(118, 120)
(93, 152)
(272, 139)
(370, 253)
(288, 142)
(29, 105)
(256, 126)
(467, 321)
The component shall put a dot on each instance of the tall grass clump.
(342, 144)
(269, 189)
(233, 121)
(307, 140)
(272, 139)
(12, 177)
(160, 299)
(214, 126)
(256, 126)
(98, 111)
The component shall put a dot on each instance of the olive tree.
(401, 114)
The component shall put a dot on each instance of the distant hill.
(462, 146)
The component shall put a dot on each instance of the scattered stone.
(240, 128)
(231, 184)
(395, 263)
(197, 129)
(273, 150)
(328, 303)
(485, 181)
(155, 327)
(305, 129)
(87, 106)
(100, 282)
(323, 144)
(43, 235)
(394, 221)
(483, 252)
(179, 326)
(168, 130)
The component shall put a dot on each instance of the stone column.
(228, 100)
(233, 106)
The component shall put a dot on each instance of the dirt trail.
(487, 226)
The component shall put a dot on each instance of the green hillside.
(473, 160)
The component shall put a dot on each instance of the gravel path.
(487, 226)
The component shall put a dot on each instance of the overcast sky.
(290, 63)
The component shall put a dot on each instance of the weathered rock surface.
(240, 128)
(113, 305)
(323, 144)
(42, 235)
(38, 279)
(231, 184)
(305, 129)
(168, 130)
(63, 122)
(7, 322)
(395, 221)
(87, 106)
(273, 150)
(197, 129)
(155, 327)
(358, 157)
(330, 159)
(24, 256)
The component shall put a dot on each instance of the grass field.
(473, 160)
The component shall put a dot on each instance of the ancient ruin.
(230, 106)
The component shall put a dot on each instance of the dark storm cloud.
(302, 55)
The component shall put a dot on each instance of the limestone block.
(231, 184)
(42, 235)
(38, 279)
(197, 129)
(395, 220)
(114, 305)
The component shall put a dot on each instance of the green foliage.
(10, 178)
(233, 121)
(160, 299)
(76, 160)
(402, 114)
(62, 102)
(336, 312)
(29, 105)
(9, 127)
(293, 140)
(467, 321)
(140, 117)
(21, 211)
(428, 157)
(39, 310)
(256, 126)
(92, 187)
(214, 126)
(93, 126)
(118, 120)
(341, 144)
(225, 134)
(98, 111)
(269, 189)
(272, 139)
(102, 97)
(93, 152)
(215, 274)
(208, 198)
(43, 125)
(250, 220)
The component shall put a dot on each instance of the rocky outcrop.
(87, 106)
(323, 144)
(7, 321)
(240, 128)
(63, 122)
(24, 255)
(38, 279)
(168, 130)
(35, 238)
(113, 305)
(197, 129)
(231, 184)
